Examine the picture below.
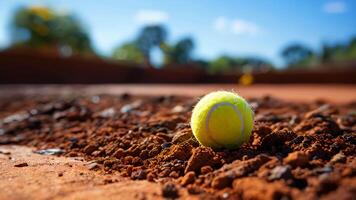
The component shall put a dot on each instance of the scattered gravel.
(297, 150)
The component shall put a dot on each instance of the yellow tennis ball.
(222, 120)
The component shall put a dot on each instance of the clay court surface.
(308, 92)
(59, 177)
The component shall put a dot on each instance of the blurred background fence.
(22, 66)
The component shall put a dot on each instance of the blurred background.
(158, 41)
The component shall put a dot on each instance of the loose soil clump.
(296, 151)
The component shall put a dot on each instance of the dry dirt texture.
(49, 177)
(141, 147)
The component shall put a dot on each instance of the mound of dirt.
(297, 150)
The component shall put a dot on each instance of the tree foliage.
(129, 52)
(339, 52)
(297, 54)
(222, 64)
(228, 63)
(43, 27)
(300, 56)
(179, 53)
(149, 38)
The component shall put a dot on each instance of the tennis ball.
(222, 120)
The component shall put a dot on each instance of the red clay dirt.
(295, 92)
(141, 147)
(52, 177)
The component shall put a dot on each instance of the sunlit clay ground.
(135, 142)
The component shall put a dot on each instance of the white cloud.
(335, 7)
(241, 27)
(235, 26)
(151, 16)
(220, 24)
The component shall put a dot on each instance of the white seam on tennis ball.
(207, 119)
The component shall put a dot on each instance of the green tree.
(333, 53)
(351, 50)
(39, 27)
(239, 64)
(222, 64)
(339, 52)
(129, 52)
(149, 38)
(202, 64)
(255, 63)
(298, 55)
(179, 53)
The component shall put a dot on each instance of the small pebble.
(170, 190)
(297, 159)
(95, 99)
(206, 169)
(108, 113)
(5, 152)
(193, 190)
(174, 174)
(166, 145)
(188, 178)
(326, 169)
(50, 151)
(338, 158)
(178, 109)
(225, 195)
(280, 172)
(181, 136)
(139, 175)
(93, 166)
(24, 164)
(150, 177)
(130, 107)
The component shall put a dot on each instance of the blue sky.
(236, 27)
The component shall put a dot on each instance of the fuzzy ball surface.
(222, 120)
